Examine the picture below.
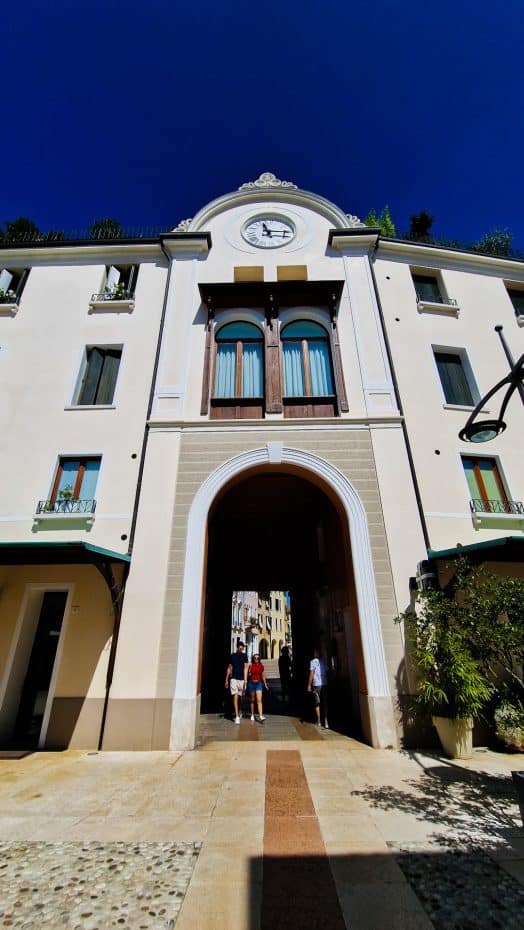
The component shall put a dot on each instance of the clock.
(268, 232)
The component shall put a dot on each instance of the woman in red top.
(255, 684)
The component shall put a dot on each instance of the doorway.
(29, 683)
(272, 533)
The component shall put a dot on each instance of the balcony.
(74, 510)
(436, 303)
(497, 513)
(8, 302)
(117, 300)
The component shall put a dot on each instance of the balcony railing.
(436, 299)
(66, 506)
(112, 295)
(508, 507)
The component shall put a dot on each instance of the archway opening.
(276, 533)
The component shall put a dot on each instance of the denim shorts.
(253, 686)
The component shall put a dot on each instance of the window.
(485, 485)
(12, 283)
(74, 486)
(121, 281)
(517, 299)
(456, 377)
(306, 360)
(427, 288)
(239, 361)
(98, 376)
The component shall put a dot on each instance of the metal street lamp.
(484, 430)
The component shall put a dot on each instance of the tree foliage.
(20, 230)
(468, 642)
(105, 229)
(419, 226)
(496, 242)
(383, 220)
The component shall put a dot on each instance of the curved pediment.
(270, 189)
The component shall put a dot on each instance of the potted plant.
(7, 297)
(66, 497)
(451, 684)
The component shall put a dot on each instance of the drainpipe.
(399, 403)
(117, 599)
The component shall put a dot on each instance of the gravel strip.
(93, 886)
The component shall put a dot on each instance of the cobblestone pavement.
(264, 827)
(94, 886)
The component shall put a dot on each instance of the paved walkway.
(264, 827)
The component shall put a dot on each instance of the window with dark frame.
(517, 299)
(427, 287)
(12, 283)
(453, 377)
(99, 377)
(120, 281)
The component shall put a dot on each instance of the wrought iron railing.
(511, 507)
(66, 506)
(112, 295)
(436, 299)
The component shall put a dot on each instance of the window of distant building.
(456, 376)
(98, 375)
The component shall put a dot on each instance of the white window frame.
(448, 307)
(468, 372)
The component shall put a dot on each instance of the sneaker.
(252, 716)
(237, 719)
(326, 726)
(261, 719)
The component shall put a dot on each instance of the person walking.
(256, 683)
(317, 685)
(236, 678)
(284, 670)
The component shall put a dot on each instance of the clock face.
(268, 232)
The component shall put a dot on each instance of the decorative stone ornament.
(183, 226)
(266, 180)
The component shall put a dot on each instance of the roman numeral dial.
(268, 232)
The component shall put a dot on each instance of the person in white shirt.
(317, 684)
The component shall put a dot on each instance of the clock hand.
(266, 231)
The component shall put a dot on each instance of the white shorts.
(236, 685)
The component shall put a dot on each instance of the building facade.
(270, 396)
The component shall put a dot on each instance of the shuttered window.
(99, 377)
(454, 380)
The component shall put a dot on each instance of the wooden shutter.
(95, 362)
(272, 364)
(340, 386)
(208, 361)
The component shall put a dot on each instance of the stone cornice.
(351, 238)
(438, 254)
(105, 253)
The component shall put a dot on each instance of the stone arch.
(379, 712)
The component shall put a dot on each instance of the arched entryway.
(276, 530)
(331, 576)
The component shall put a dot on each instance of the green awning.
(505, 549)
(57, 553)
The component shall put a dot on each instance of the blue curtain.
(321, 382)
(226, 370)
(252, 380)
(293, 369)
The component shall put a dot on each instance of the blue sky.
(146, 111)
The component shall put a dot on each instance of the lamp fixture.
(485, 430)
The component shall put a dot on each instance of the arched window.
(239, 361)
(306, 360)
